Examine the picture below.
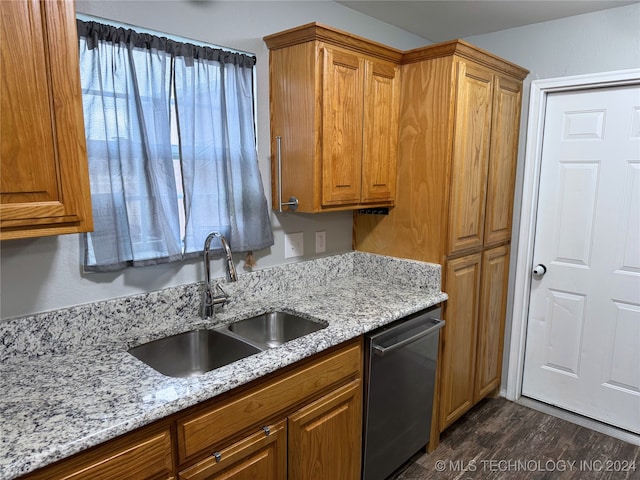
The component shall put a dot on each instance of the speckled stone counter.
(68, 383)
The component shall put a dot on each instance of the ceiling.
(445, 20)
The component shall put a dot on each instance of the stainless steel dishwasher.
(400, 370)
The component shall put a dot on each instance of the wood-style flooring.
(499, 439)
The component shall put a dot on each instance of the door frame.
(528, 211)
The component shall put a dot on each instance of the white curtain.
(127, 83)
(222, 185)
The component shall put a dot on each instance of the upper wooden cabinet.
(334, 102)
(459, 126)
(470, 157)
(507, 97)
(45, 180)
(483, 161)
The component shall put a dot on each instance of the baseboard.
(586, 422)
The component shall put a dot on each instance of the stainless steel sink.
(274, 328)
(193, 353)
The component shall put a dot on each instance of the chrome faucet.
(211, 297)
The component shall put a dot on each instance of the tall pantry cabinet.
(458, 137)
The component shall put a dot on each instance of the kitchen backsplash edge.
(62, 330)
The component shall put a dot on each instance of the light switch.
(293, 245)
(321, 242)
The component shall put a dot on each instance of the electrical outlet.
(293, 245)
(321, 242)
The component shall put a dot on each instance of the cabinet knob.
(267, 431)
(539, 270)
(217, 456)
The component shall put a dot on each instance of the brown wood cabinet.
(334, 102)
(317, 409)
(143, 455)
(259, 456)
(304, 423)
(493, 307)
(473, 342)
(459, 125)
(45, 181)
(325, 436)
(459, 352)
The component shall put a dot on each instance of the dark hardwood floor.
(499, 439)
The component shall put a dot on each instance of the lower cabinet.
(459, 337)
(473, 337)
(493, 309)
(143, 455)
(325, 436)
(304, 423)
(260, 456)
(319, 441)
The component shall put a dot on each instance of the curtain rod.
(177, 38)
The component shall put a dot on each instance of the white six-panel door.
(583, 332)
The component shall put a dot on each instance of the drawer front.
(258, 456)
(203, 431)
(139, 458)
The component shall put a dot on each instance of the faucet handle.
(224, 295)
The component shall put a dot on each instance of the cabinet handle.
(293, 201)
(267, 431)
(382, 351)
(217, 456)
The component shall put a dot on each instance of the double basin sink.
(198, 351)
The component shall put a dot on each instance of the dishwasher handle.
(382, 351)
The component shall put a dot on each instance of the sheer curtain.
(214, 104)
(128, 79)
(126, 99)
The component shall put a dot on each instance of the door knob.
(539, 270)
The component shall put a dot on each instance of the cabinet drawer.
(205, 430)
(257, 456)
(138, 457)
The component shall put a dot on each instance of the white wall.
(603, 41)
(44, 274)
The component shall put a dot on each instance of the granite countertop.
(68, 382)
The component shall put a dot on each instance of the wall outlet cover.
(293, 245)
(321, 242)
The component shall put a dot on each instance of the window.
(171, 147)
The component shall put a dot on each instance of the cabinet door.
(459, 335)
(260, 456)
(342, 100)
(45, 183)
(325, 437)
(471, 144)
(493, 307)
(140, 456)
(381, 107)
(502, 162)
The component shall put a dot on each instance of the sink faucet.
(211, 297)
